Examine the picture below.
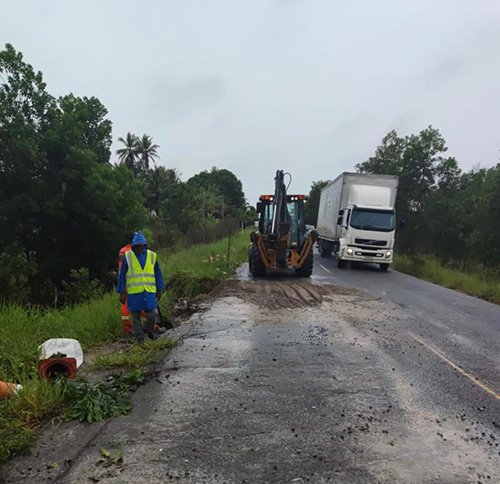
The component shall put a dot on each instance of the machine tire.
(384, 267)
(255, 264)
(307, 267)
(341, 263)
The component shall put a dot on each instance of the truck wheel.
(321, 248)
(384, 267)
(307, 267)
(340, 263)
(328, 249)
(256, 266)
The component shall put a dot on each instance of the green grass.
(188, 272)
(210, 260)
(197, 269)
(137, 356)
(23, 329)
(37, 402)
(428, 268)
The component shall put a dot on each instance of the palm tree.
(128, 155)
(147, 150)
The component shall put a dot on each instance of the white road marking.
(323, 267)
(456, 367)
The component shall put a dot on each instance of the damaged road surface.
(294, 380)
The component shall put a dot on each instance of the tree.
(203, 212)
(62, 205)
(26, 110)
(160, 185)
(312, 203)
(93, 205)
(137, 153)
(444, 215)
(453, 215)
(147, 151)
(102, 207)
(416, 160)
(486, 221)
(128, 155)
(82, 123)
(387, 158)
(224, 183)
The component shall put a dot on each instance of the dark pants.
(137, 330)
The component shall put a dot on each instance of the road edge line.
(471, 377)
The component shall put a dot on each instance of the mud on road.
(278, 293)
(287, 380)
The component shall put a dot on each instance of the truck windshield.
(372, 219)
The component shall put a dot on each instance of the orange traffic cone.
(51, 368)
(7, 389)
(126, 319)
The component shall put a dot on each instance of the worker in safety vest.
(126, 314)
(140, 285)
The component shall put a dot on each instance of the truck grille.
(369, 254)
(377, 243)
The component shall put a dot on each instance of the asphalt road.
(463, 327)
(354, 375)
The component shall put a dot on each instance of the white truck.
(357, 220)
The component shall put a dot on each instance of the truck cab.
(367, 234)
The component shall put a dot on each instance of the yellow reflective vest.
(140, 279)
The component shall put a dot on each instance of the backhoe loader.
(282, 240)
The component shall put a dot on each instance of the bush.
(80, 287)
(15, 272)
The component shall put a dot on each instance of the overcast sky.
(253, 86)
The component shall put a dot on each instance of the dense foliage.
(312, 204)
(62, 204)
(65, 210)
(202, 209)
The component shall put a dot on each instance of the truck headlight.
(388, 254)
(349, 251)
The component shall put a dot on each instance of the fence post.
(228, 249)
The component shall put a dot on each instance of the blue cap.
(139, 239)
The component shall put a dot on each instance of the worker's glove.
(123, 298)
